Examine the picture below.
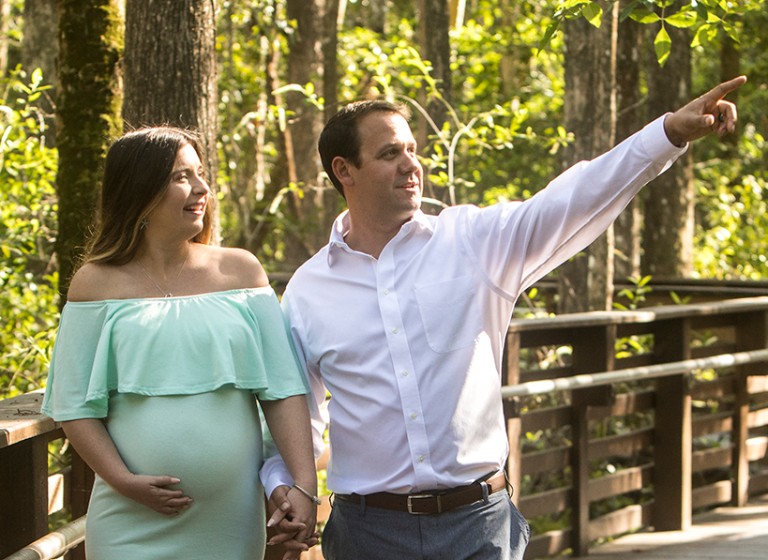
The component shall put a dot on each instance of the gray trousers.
(486, 530)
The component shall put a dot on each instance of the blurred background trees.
(504, 93)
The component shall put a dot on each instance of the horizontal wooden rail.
(55, 544)
(633, 374)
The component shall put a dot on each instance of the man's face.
(387, 186)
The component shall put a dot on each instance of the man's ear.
(341, 168)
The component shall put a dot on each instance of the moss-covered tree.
(90, 43)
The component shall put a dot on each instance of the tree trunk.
(457, 12)
(730, 67)
(629, 119)
(41, 22)
(513, 66)
(669, 199)
(170, 68)
(330, 58)
(377, 16)
(435, 45)
(87, 116)
(586, 281)
(5, 21)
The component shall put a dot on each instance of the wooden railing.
(25, 499)
(633, 453)
(637, 419)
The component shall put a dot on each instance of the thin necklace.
(165, 293)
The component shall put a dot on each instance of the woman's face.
(182, 207)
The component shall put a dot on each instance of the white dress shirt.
(409, 346)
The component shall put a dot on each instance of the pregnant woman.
(165, 349)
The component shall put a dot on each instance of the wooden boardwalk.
(726, 532)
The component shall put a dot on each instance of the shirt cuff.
(657, 143)
(274, 473)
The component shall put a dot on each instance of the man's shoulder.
(318, 261)
(316, 265)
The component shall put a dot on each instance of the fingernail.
(270, 523)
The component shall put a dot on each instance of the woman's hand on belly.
(154, 492)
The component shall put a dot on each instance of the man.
(402, 318)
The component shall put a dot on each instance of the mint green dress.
(176, 381)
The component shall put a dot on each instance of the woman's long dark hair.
(137, 173)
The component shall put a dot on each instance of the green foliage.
(249, 37)
(634, 296)
(708, 18)
(28, 281)
(733, 212)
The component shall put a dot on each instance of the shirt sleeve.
(515, 244)
(80, 365)
(274, 473)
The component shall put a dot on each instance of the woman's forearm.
(93, 443)
(288, 421)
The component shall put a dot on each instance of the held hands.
(703, 115)
(153, 492)
(293, 517)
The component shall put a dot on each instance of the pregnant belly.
(208, 440)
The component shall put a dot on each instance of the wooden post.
(672, 431)
(511, 376)
(23, 493)
(751, 334)
(80, 486)
(593, 351)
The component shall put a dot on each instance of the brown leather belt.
(426, 503)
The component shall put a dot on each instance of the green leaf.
(701, 11)
(682, 19)
(548, 34)
(662, 44)
(287, 88)
(704, 35)
(593, 13)
(37, 76)
(645, 16)
(628, 10)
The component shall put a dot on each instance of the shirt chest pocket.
(450, 313)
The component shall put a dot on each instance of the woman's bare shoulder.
(239, 268)
(97, 282)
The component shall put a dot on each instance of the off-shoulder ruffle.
(169, 346)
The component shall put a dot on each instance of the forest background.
(505, 94)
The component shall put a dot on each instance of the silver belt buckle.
(420, 497)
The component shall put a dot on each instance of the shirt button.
(421, 458)
(413, 416)
(394, 330)
(404, 373)
(386, 292)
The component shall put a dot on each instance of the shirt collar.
(336, 243)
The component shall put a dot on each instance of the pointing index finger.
(723, 89)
